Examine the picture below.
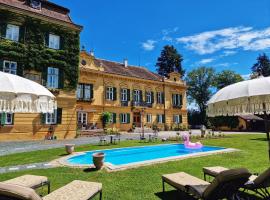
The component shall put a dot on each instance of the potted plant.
(70, 148)
(98, 160)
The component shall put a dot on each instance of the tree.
(199, 83)
(225, 78)
(262, 67)
(169, 61)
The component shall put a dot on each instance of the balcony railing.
(124, 103)
(177, 106)
(141, 104)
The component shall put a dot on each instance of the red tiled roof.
(48, 9)
(131, 71)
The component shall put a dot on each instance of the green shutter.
(62, 42)
(152, 97)
(141, 96)
(114, 118)
(181, 100)
(91, 91)
(128, 118)
(128, 94)
(44, 76)
(163, 97)
(1, 65)
(13, 117)
(47, 35)
(163, 119)
(59, 115)
(61, 79)
(43, 118)
(120, 118)
(114, 94)
(3, 119)
(172, 99)
(180, 119)
(19, 69)
(3, 30)
(157, 98)
(22, 34)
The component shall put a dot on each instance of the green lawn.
(145, 182)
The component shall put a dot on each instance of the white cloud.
(166, 34)
(228, 39)
(206, 60)
(149, 45)
(228, 53)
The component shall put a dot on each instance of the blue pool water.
(122, 156)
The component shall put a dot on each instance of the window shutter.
(19, 70)
(105, 93)
(152, 97)
(62, 43)
(13, 118)
(180, 119)
(157, 98)
(44, 76)
(128, 94)
(114, 118)
(1, 65)
(61, 79)
(163, 118)
(141, 96)
(120, 117)
(163, 97)
(128, 118)
(172, 99)
(59, 115)
(114, 94)
(2, 118)
(43, 118)
(133, 95)
(145, 96)
(22, 34)
(91, 91)
(3, 30)
(47, 36)
(181, 99)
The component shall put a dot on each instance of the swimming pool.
(118, 157)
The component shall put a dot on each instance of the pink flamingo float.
(191, 145)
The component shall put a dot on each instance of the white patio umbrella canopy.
(246, 97)
(20, 95)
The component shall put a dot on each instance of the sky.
(223, 34)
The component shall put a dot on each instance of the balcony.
(124, 103)
(141, 104)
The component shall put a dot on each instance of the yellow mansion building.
(134, 95)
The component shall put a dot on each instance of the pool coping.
(111, 167)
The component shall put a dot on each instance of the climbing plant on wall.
(32, 52)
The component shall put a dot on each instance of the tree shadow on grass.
(260, 139)
(173, 195)
(91, 169)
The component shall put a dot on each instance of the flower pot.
(98, 160)
(69, 148)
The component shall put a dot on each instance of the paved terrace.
(7, 148)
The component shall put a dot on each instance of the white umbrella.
(21, 95)
(246, 97)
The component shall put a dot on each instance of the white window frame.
(148, 97)
(54, 41)
(53, 77)
(124, 118)
(159, 118)
(176, 119)
(149, 118)
(137, 96)
(82, 117)
(51, 118)
(9, 69)
(159, 97)
(12, 32)
(79, 91)
(109, 93)
(124, 94)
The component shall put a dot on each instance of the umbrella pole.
(266, 125)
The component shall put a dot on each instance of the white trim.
(51, 118)
(109, 93)
(12, 32)
(54, 41)
(124, 94)
(10, 67)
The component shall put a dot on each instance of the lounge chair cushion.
(77, 190)
(181, 180)
(17, 192)
(228, 181)
(214, 171)
(30, 181)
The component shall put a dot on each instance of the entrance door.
(137, 119)
(82, 119)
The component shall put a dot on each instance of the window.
(177, 99)
(124, 118)
(51, 118)
(161, 118)
(177, 119)
(53, 76)
(10, 67)
(124, 95)
(137, 94)
(148, 97)
(110, 93)
(149, 118)
(160, 97)
(82, 118)
(85, 92)
(54, 41)
(6, 118)
(12, 32)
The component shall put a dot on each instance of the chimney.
(92, 53)
(125, 62)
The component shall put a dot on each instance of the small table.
(213, 171)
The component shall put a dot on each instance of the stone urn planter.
(69, 148)
(98, 160)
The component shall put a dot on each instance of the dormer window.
(36, 4)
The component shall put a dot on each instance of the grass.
(145, 182)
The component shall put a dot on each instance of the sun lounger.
(225, 185)
(257, 183)
(76, 190)
(31, 181)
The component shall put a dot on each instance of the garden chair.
(30, 181)
(76, 190)
(116, 138)
(102, 139)
(257, 183)
(225, 185)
